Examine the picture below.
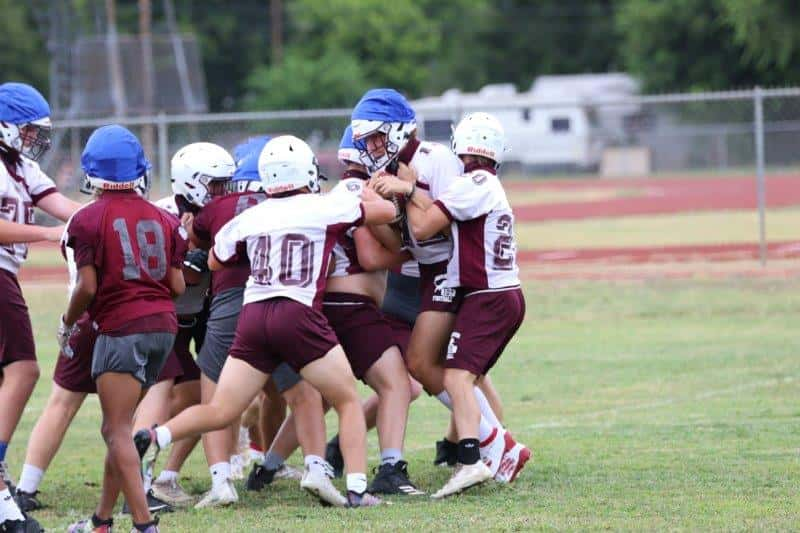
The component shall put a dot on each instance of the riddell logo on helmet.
(117, 186)
(475, 150)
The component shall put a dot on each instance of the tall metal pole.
(758, 109)
(115, 60)
(148, 70)
(276, 30)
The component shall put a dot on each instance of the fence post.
(163, 151)
(758, 110)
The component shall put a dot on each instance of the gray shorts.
(402, 297)
(220, 331)
(285, 377)
(141, 355)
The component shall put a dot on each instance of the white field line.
(644, 406)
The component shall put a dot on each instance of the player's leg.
(492, 396)
(44, 442)
(273, 413)
(19, 379)
(426, 346)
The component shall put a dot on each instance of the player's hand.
(368, 195)
(196, 260)
(64, 333)
(54, 234)
(406, 173)
(388, 186)
(186, 220)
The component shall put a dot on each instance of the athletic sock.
(486, 409)
(8, 507)
(163, 436)
(30, 479)
(468, 451)
(3, 448)
(220, 473)
(357, 483)
(272, 461)
(391, 456)
(167, 476)
(485, 429)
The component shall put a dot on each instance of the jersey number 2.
(152, 255)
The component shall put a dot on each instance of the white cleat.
(493, 449)
(222, 494)
(513, 461)
(464, 477)
(319, 485)
(288, 472)
(172, 493)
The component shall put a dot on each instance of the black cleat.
(259, 477)
(153, 504)
(393, 479)
(27, 525)
(27, 501)
(446, 453)
(333, 454)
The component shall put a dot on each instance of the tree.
(23, 57)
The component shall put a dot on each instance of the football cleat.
(150, 527)
(259, 478)
(333, 454)
(237, 467)
(147, 446)
(393, 479)
(154, 504)
(14, 526)
(89, 525)
(493, 449)
(5, 475)
(171, 492)
(288, 472)
(320, 486)
(464, 477)
(27, 501)
(513, 460)
(365, 499)
(446, 453)
(220, 495)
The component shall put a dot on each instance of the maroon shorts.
(171, 370)
(433, 295)
(360, 327)
(192, 328)
(16, 333)
(281, 330)
(401, 332)
(485, 324)
(75, 374)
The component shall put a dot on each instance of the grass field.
(650, 406)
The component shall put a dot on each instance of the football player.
(24, 137)
(129, 255)
(288, 239)
(384, 131)
(483, 266)
(199, 172)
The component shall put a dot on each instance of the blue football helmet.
(387, 112)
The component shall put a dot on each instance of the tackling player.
(129, 254)
(289, 239)
(483, 265)
(24, 137)
(384, 130)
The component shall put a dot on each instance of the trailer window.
(526, 114)
(559, 125)
(438, 130)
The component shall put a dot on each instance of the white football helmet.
(480, 134)
(286, 164)
(196, 166)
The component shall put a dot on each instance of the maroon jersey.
(207, 224)
(132, 244)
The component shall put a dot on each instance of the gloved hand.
(196, 259)
(64, 333)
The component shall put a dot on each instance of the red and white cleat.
(493, 448)
(513, 461)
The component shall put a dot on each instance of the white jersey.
(436, 168)
(193, 299)
(482, 223)
(289, 243)
(18, 195)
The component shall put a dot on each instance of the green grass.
(650, 406)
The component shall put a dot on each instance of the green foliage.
(333, 79)
(23, 56)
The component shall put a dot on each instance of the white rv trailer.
(561, 122)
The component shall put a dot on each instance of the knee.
(455, 379)
(28, 373)
(112, 433)
(414, 389)
(303, 396)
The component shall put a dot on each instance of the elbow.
(177, 289)
(420, 233)
(369, 263)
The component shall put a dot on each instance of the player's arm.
(425, 223)
(177, 285)
(372, 255)
(82, 295)
(214, 264)
(58, 205)
(378, 211)
(11, 232)
(228, 244)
